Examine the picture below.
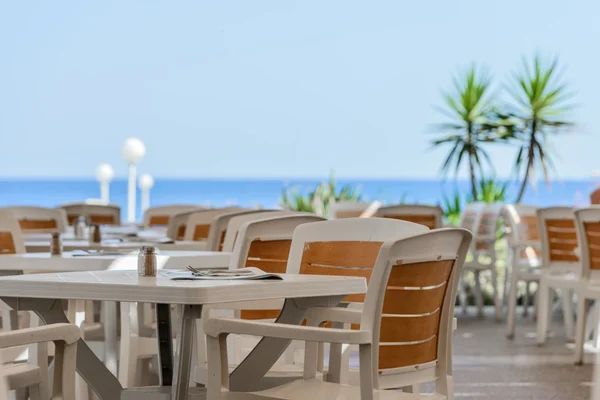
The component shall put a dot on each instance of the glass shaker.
(56, 246)
(95, 235)
(147, 261)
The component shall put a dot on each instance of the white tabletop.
(34, 246)
(129, 287)
(44, 262)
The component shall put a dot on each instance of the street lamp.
(104, 174)
(133, 151)
(146, 182)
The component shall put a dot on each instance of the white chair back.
(588, 239)
(198, 224)
(559, 239)
(430, 216)
(11, 238)
(218, 227)
(349, 209)
(161, 215)
(108, 214)
(40, 219)
(486, 234)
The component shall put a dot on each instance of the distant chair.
(430, 216)
(197, 225)
(109, 214)
(161, 215)
(350, 209)
(40, 219)
(595, 197)
(524, 258)
(218, 227)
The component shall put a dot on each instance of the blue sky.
(269, 88)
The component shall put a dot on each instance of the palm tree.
(474, 122)
(541, 97)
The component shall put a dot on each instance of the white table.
(34, 246)
(42, 294)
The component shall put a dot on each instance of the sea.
(267, 192)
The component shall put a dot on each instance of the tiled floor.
(488, 366)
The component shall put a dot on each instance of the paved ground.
(488, 366)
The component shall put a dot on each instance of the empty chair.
(108, 214)
(430, 216)
(351, 209)
(588, 234)
(178, 222)
(40, 219)
(161, 215)
(561, 267)
(524, 247)
(413, 279)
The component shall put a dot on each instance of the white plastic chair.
(523, 240)
(430, 216)
(412, 279)
(107, 214)
(198, 224)
(40, 219)
(561, 267)
(588, 235)
(161, 215)
(20, 376)
(349, 209)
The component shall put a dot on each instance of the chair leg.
(218, 376)
(478, 294)
(582, 312)
(462, 294)
(567, 302)
(512, 304)
(543, 312)
(35, 392)
(496, 293)
(526, 299)
(367, 370)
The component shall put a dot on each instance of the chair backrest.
(522, 234)
(198, 223)
(219, 223)
(265, 243)
(40, 219)
(595, 197)
(236, 222)
(430, 216)
(588, 236)
(344, 246)
(470, 216)
(348, 209)
(486, 234)
(161, 215)
(11, 239)
(108, 214)
(559, 238)
(409, 304)
(177, 225)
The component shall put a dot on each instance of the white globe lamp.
(104, 175)
(133, 152)
(146, 183)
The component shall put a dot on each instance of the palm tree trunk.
(530, 160)
(471, 162)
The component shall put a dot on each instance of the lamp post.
(146, 182)
(105, 174)
(133, 151)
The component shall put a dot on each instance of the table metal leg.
(110, 335)
(95, 373)
(249, 374)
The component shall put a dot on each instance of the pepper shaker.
(56, 246)
(147, 261)
(80, 227)
(95, 234)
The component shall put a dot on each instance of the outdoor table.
(42, 293)
(16, 264)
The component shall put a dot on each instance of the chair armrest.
(318, 315)
(66, 333)
(217, 326)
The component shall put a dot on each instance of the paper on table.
(92, 253)
(241, 274)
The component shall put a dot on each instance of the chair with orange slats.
(40, 219)
(430, 216)
(101, 214)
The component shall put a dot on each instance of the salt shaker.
(147, 262)
(56, 246)
(80, 227)
(95, 235)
